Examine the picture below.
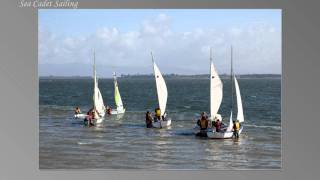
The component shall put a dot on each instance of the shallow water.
(123, 142)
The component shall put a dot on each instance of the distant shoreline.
(147, 76)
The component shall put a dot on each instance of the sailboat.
(117, 98)
(216, 93)
(162, 93)
(98, 104)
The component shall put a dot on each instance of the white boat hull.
(80, 116)
(211, 134)
(162, 124)
(221, 135)
(100, 119)
(95, 121)
(118, 111)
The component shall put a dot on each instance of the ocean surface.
(123, 142)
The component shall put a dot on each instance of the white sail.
(117, 97)
(97, 97)
(161, 88)
(215, 90)
(230, 126)
(239, 101)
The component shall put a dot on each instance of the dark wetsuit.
(148, 121)
(89, 118)
(203, 123)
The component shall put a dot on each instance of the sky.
(179, 39)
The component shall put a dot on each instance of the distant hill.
(147, 76)
(204, 76)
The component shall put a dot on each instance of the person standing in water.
(148, 120)
(157, 114)
(203, 123)
(90, 117)
(218, 125)
(236, 128)
(77, 110)
(109, 109)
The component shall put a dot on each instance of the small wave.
(84, 143)
(256, 126)
(184, 132)
(57, 107)
(189, 133)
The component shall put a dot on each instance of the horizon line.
(167, 74)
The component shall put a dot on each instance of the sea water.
(123, 142)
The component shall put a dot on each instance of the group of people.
(157, 117)
(90, 115)
(204, 124)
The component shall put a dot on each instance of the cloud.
(257, 48)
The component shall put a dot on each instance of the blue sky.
(180, 39)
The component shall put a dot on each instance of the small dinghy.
(216, 90)
(117, 98)
(162, 93)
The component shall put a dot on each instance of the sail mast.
(231, 75)
(94, 78)
(152, 57)
(154, 72)
(94, 64)
(211, 111)
(116, 91)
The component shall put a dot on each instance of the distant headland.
(178, 76)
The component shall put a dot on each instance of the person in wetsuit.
(148, 120)
(203, 124)
(90, 117)
(77, 110)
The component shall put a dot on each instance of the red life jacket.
(218, 125)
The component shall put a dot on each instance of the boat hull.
(80, 116)
(99, 120)
(211, 134)
(118, 111)
(221, 135)
(95, 121)
(162, 124)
